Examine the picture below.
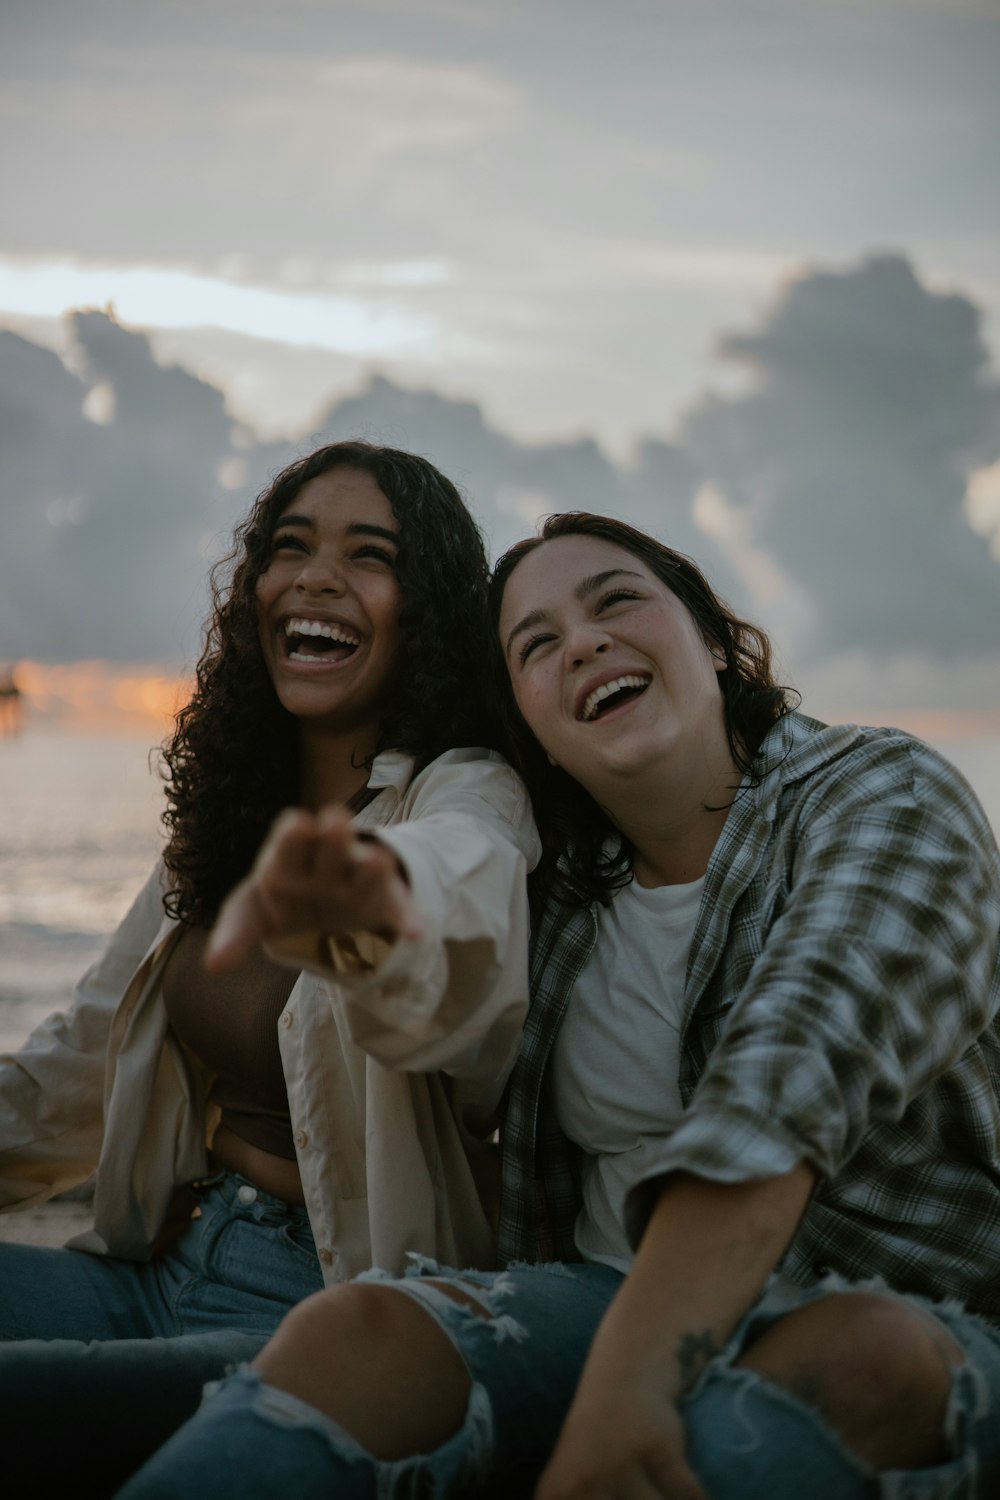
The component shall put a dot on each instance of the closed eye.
(377, 554)
(288, 541)
(614, 596)
(531, 644)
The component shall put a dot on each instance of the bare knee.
(347, 1315)
(376, 1362)
(878, 1370)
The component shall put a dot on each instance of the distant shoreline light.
(109, 695)
(162, 297)
(101, 696)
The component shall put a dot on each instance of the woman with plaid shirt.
(748, 1164)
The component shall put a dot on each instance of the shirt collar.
(392, 768)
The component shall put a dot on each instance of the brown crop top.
(230, 1022)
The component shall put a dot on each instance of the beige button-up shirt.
(394, 1057)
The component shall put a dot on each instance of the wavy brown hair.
(232, 762)
(584, 856)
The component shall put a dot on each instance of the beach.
(47, 1224)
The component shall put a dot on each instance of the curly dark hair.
(584, 856)
(232, 762)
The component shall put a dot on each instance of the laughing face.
(609, 670)
(328, 604)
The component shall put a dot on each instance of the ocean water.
(80, 829)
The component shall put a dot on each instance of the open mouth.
(319, 640)
(611, 695)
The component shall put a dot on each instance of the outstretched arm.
(314, 873)
(706, 1254)
(418, 927)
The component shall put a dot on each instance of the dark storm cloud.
(847, 463)
(110, 529)
(108, 521)
(849, 460)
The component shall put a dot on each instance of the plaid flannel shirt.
(840, 1008)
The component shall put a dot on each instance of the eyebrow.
(357, 528)
(586, 586)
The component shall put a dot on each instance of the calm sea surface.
(79, 831)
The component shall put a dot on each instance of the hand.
(313, 873)
(620, 1444)
(707, 1251)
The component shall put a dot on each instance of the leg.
(112, 1355)
(107, 1406)
(50, 1294)
(435, 1380)
(878, 1370)
(237, 1264)
(844, 1391)
(423, 1388)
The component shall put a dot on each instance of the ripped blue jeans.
(746, 1438)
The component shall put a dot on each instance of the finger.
(383, 886)
(677, 1482)
(362, 883)
(341, 860)
(334, 818)
(241, 924)
(628, 1484)
(287, 852)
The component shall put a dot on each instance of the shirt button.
(301, 1138)
(246, 1194)
(287, 1019)
(325, 1254)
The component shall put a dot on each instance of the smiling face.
(328, 605)
(609, 670)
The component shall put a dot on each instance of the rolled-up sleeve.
(877, 973)
(455, 998)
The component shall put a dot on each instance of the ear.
(551, 760)
(718, 656)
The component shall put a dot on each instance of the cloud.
(165, 297)
(831, 500)
(849, 460)
(113, 522)
(103, 523)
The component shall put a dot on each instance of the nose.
(584, 642)
(318, 576)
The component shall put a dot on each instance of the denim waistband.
(235, 1190)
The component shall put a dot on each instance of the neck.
(333, 765)
(672, 827)
(676, 856)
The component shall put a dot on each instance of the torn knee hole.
(465, 1293)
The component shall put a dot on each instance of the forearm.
(706, 1254)
(707, 1251)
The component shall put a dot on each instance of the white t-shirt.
(615, 1062)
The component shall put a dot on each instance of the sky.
(728, 268)
(550, 205)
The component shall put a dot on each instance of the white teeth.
(331, 631)
(605, 691)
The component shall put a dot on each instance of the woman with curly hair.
(260, 1128)
(750, 1218)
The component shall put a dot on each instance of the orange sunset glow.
(101, 696)
(110, 697)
